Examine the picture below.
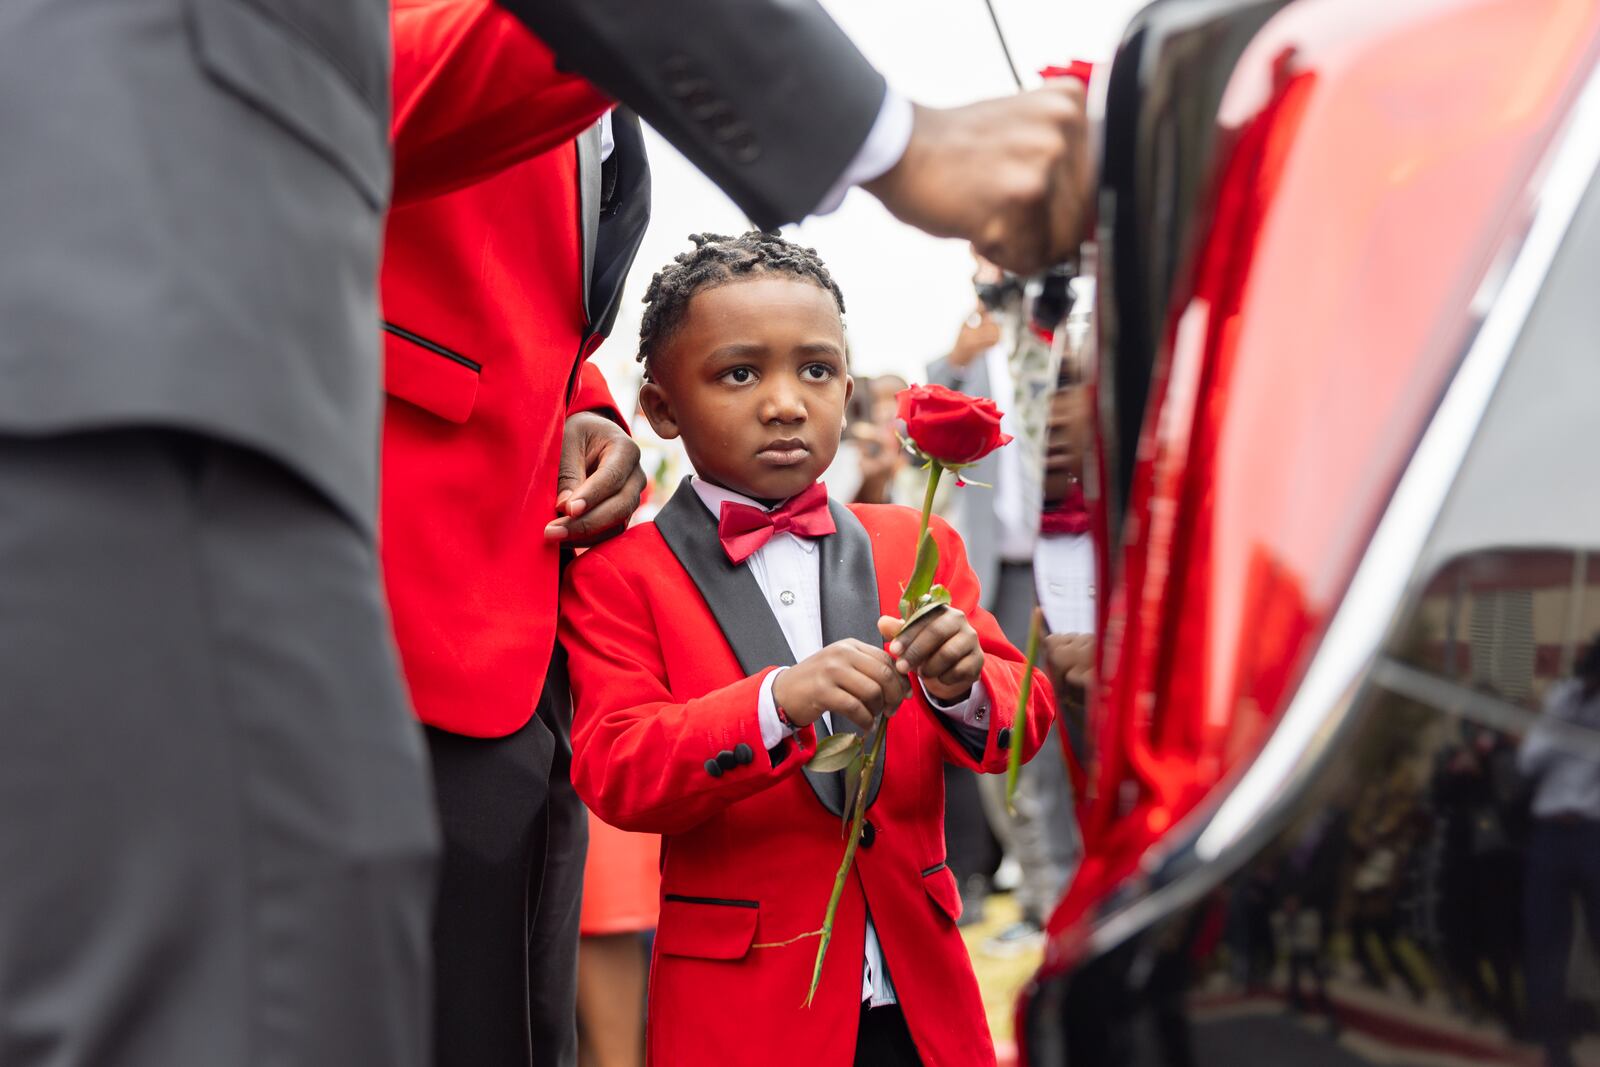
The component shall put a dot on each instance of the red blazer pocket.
(941, 887)
(706, 928)
(428, 374)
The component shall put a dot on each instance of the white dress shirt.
(790, 576)
(1015, 508)
(1063, 571)
(886, 142)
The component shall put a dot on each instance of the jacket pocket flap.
(262, 61)
(706, 928)
(941, 886)
(430, 376)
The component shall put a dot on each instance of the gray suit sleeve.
(768, 97)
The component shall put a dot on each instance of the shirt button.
(786, 598)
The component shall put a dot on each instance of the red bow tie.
(744, 529)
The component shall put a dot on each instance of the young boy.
(711, 650)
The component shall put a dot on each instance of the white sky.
(906, 293)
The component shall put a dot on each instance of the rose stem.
(880, 739)
(1020, 720)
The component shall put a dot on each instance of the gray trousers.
(1043, 834)
(217, 845)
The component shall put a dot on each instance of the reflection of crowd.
(1460, 873)
(1477, 798)
(1563, 861)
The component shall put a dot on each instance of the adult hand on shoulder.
(849, 678)
(1010, 175)
(600, 481)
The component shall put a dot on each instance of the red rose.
(951, 427)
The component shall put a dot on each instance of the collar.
(713, 496)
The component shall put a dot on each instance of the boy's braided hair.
(715, 261)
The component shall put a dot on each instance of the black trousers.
(216, 841)
(883, 1040)
(505, 933)
(1563, 869)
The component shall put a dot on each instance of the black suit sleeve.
(768, 97)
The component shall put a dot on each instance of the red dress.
(621, 881)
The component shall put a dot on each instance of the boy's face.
(754, 382)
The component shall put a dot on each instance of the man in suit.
(229, 852)
(999, 354)
(494, 295)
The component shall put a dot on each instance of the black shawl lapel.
(738, 605)
(850, 602)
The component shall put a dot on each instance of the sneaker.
(1015, 940)
(1008, 876)
(973, 893)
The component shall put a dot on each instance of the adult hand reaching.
(600, 481)
(1010, 175)
(979, 332)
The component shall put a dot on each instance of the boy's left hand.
(943, 652)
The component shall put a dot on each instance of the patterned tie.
(744, 529)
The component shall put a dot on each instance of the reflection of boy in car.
(1564, 848)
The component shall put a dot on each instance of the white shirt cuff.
(773, 732)
(973, 711)
(886, 142)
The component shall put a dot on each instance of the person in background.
(883, 460)
(871, 459)
(621, 903)
(1561, 758)
(1002, 354)
(1064, 558)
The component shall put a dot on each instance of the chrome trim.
(1215, 839)
(1471, 704)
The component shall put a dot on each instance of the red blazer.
(484, 312)
(749, 854)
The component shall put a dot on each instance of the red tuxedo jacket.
(669, 644)
(483, 294)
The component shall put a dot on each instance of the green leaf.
(1020, 719)
(922, 573)
(834, 753)
(931, 604)
(852, 780)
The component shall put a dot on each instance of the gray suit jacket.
(768, 97)
(974, 517)
(191, 194)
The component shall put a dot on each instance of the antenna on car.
(1000, 35)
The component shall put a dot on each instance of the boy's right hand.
(849, 678)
